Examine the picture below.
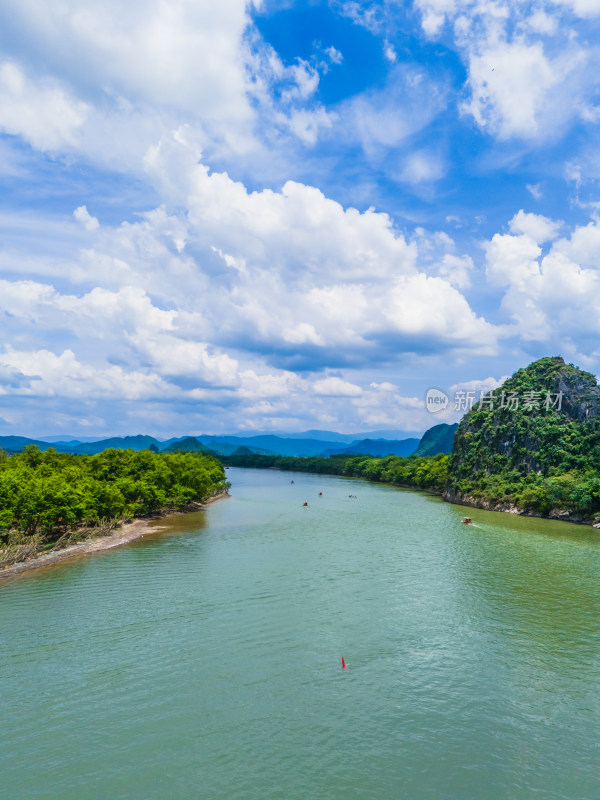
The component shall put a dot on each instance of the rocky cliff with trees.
(532, 445)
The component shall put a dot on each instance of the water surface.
(204, 661)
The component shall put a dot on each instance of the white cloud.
(438, 251)
(238, 300)
(83, 216)
(307, 124)
(390, 53)
(128, 323)
(64, 376)
(530, 75)
(255, 386)
(305, 81)
(541, 22)
(510, 84)
(554, 298)
(478, 386)
(512, 260)
(173, 357)
(42, 111)
(174, 54)
(541, 229)
(336, 387)
(535, 190)
(582, 8)
(334, 55)
(314, 273)
(96, 73)
(456, 270)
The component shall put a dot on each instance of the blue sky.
(290, 215)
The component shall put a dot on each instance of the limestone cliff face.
(545, 421)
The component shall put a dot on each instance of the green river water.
(204, 661)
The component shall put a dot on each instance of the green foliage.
(46, 493)
(541, 458)
(419, 472)
(438, 439)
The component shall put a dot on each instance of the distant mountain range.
(377, 447)
(313, 443)
(329, 436)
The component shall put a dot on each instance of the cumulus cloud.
(438, 251)
(221, 294)
(541, 229)
(336, 387)
(239, 299)
(173, 54)
(315, 275)
(41, 111)
(92, 73)
(65, 376)
(550, 298)
(502, 99)
(83, 216)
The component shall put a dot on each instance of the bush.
(46, 494)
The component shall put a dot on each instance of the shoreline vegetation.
(54, 505)
(100, 539)
(416, 472)
(568, 497)
(530, 447)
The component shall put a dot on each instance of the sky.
(291, 215)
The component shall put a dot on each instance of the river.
(204, 661)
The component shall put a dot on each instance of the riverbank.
(125, 533)
(560, 514)
(424, 473)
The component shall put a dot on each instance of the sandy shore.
(128, 532)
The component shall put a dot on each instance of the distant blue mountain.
(330, 436)
(69, 440)
(311, 443)
(377, 447)
(272, 444)
(15, 444)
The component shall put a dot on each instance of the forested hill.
(534, 443)
(439, 439)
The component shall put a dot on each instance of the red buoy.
(343, 663)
